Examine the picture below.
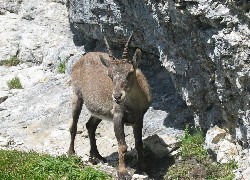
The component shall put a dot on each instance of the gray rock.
(161, 146)
(218, 142)
(4, 142)
(37, 32)
(12, 6)
(140, 177)
(246, 173)
(213, 136)
(3, 98)
(227, 152)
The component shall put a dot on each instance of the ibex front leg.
(120, 136)
(76, 110)
(137, 130)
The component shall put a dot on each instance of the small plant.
(192, 145)
(62, 66)
(13, 61)
(22, 165)
(195, 162)
(90, 173)
(15, 83)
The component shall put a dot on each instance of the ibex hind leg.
(77, 103)
(94, 153)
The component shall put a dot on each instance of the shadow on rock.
(165, 96)
(157, 156)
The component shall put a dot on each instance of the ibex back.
(113, 89)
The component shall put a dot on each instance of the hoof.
(95, 156)
(95, 160)
(71, 152)
(124, 176)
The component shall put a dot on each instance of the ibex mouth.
(118, 101)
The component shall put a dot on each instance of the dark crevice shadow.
(157, 160)
(81, 39)
(165, 96)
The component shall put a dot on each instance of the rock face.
(36, 32)
(205, 45)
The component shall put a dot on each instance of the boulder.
(218, 142)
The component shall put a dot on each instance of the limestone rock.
(217, 142)
(213, 136)
(4, 142)
(36, 32)
(246, 173)
(12, 6)
(3, 98)
(226, 152)
(140, 177)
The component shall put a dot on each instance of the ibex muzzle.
(113, 89)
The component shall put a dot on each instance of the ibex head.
(121, 71)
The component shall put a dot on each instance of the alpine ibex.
(112, 89)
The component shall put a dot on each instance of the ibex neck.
(139, 94)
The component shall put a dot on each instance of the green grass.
(13, 61)
(15, 83)
(62, 66)
(195, 162)
(20, 165)
(192, 145)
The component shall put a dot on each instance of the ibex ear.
(136, 58)
(104, 61)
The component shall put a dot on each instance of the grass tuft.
(62, 66)
(15, 83)
(22, 165)
(192, 145)
(13, 61)
(195, 163)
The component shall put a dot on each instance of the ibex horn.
(109, 49)
(125, 51)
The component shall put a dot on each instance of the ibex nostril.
(118, 96)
